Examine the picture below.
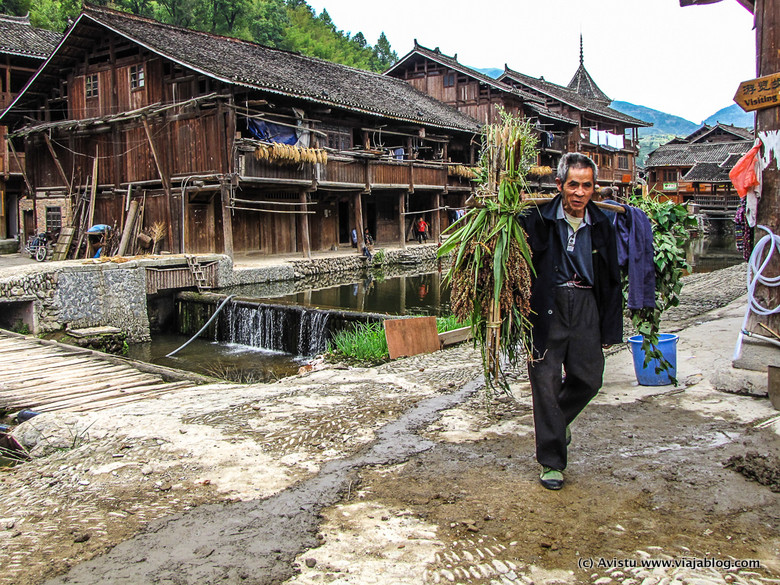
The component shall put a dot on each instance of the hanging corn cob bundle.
(290, 154)
(461, 171)
(491, 271)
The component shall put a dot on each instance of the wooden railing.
(343, 170)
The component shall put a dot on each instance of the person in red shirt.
(422, 228)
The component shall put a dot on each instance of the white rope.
(755, 276)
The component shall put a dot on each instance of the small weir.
(290, 329)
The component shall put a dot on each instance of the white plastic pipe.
(755, 276)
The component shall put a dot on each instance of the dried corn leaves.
(491, 270)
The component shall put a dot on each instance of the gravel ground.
(406, 473)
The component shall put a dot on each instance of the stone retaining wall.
(58, 295)
(55, 295)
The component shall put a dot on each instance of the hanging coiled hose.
(755, 276)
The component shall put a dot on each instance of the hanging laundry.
(746, 178)
(636, 255)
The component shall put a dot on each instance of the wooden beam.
(402, 218)
(93, 194)
(163, 177)
(227, 220)
(20, 165)
(303, 222)
(57, 162)
(437, 216)
(357, 201)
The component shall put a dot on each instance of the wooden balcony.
(347, 171)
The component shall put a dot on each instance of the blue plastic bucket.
(645, 375)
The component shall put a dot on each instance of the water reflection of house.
(573, 118)
(224, 141)
(696, 167)
(22, 49)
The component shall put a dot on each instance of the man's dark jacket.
(545, 242)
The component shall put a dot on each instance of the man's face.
(577, 190)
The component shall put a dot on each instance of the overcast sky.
(683, 61)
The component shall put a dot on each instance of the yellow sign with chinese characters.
(760, 93)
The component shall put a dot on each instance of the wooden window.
(53, 219)
(91, 85)
(449, 80)
(670, 175)
(137, 79)
(623, 161)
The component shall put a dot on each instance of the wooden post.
(358, 203)
(436, 217)
(21, 167)
(227, 220)
(3, 231)
(402, 218)
(303, 224)
(57, 162)
(163, 178)
(93, 195)
(767, 19)
(128, 231)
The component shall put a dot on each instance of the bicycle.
(37, 246)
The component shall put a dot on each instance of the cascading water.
(291, 329)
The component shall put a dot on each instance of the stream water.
(414, 292)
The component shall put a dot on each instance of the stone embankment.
(47, 297)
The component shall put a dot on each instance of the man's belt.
(575, 284)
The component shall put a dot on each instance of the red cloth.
(743, 175)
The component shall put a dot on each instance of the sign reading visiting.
(760, 93)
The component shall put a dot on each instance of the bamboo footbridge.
(46, 376)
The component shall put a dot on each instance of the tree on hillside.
(360, 40)
(177, 12)
(14, 7)
(385, 55)
(139, 7)
(269, 23)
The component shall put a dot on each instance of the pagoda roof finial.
(582, 54)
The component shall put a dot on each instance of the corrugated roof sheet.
(681, 155)
(18, 37)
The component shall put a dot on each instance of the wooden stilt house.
(479, 96)
(22, 50)
(230, 146)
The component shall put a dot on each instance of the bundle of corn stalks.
(461, 171)
(538, 171)
(157, 233)
(491, 271)
(290, 154)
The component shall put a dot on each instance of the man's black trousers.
(569, 374)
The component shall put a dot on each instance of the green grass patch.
(365, 343)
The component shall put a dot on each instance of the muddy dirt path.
(401, 474)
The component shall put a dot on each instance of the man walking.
(576, 301)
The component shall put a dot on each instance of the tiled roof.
(452, 63)
(583, 84)
(702, 133)
(278, 72)
(707, 172)
(572, 98)
(684, 155)
(17, 37)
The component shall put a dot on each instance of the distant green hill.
(662, 123)
(733, 115)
